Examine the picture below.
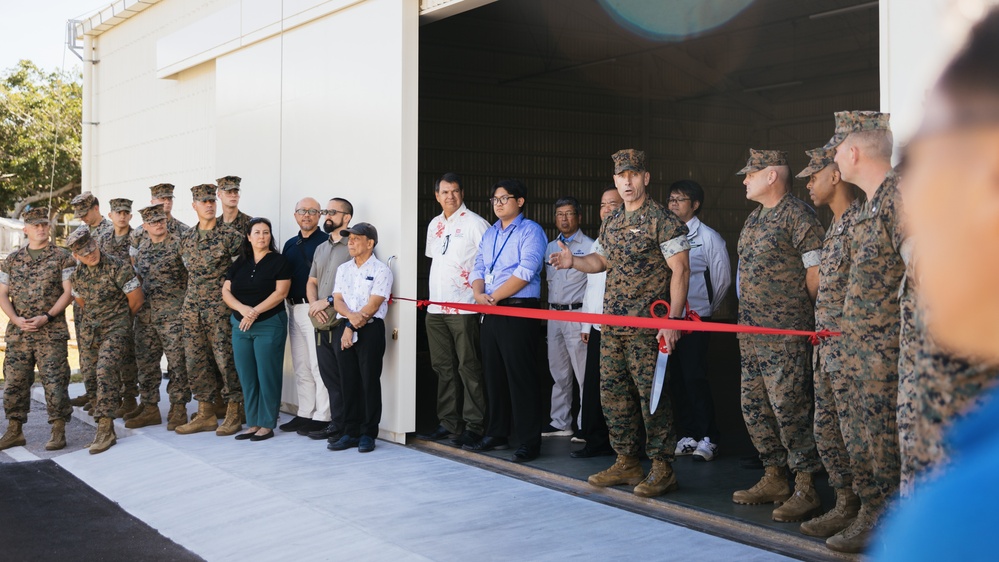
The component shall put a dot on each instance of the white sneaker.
(706, 450)
(685, 446)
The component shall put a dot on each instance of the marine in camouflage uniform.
(113, 244)
(778, 247)
(158, 327)
(871, 324)
(35, 289)
(161, 194)
(230, 185)
(87, 208)
(638, 249)
(108, 292)
(207, 255)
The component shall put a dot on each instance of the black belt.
(523, 303)
(573, 306)
(294, 301)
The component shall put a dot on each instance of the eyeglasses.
(678, 199)
(310, 212)
(501, 200)
(332, 212)
(565, 215)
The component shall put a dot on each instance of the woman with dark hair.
(255, 288)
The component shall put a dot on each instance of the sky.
(36, 30)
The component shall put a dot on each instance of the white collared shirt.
(357, 284)
(566, 286)
(452, 244)
(593, 297)
(707, 254)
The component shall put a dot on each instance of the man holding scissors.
(644, 249)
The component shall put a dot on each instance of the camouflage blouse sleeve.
(806, 235)
(233, 242)
(68, 266)
(125, 279)
(4, 271)
(672, 236)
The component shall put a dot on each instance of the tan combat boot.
(231, 425)
(80, 400)
(803, 504)
(128, 403)
(105, 437)
(149, 414)
(177, 416)
(837, 518)
(626, 470)
(771, 488)
(854, 539)
(661, 479)
(13, 436)
(204, 420)
(219, 405)
(58, 439)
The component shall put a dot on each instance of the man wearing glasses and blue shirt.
(313, 400)
(507, 272)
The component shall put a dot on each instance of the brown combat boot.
(661, 479)
(803, 504)
(771, 488)
(854, 539)
(128, 403)
(837, 518)
(58, 439)
(177, 416)
(231, 425)
(13, 437)
(625, 470)
(80, 400)
(220, 407)
(204, 420)
(149, 414)
(105, 437)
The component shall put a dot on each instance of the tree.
(40, 128)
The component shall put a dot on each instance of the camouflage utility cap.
(36, 215)
(203, 192)
(229, 183)
(82, 204)
(153, 213)
(629, 159)
(162, 191)
(80, 242)
(820, 158)
(759, 159)
(362, 229)
(121, 205)
(856, 121)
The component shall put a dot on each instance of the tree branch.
(20, 205)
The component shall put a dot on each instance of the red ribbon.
(628, 321)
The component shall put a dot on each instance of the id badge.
(489, 279)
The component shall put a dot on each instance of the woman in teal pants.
(255, 288)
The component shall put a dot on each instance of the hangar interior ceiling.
(546, 90)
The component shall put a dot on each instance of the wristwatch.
(49, 316)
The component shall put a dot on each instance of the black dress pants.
(695, 408)
(330, 373)
(594, 425)
(360, 374)
(509, 353)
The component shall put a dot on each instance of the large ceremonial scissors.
(659, 378)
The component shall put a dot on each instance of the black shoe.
(295, 423)
(436, 435)
(526, 453)
(244, 436)
(263, 437)
(466, 439)
(344, 443)
(552, 431)
(327, 432)
(310, 426)
(590, 452)
(365, 444)
(488, 443)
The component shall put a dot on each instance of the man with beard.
(319, 290)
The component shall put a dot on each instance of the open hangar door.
(546, 90)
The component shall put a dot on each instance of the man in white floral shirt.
(452, 239)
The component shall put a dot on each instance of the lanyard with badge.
(489, 276)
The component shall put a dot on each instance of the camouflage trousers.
(208, 351)
(87, 346)
(870, 427)
(777, 402)
(156, 334)
(832, 397)
(913, 456)
(112, 349)
(627, 366)
(19, 363)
